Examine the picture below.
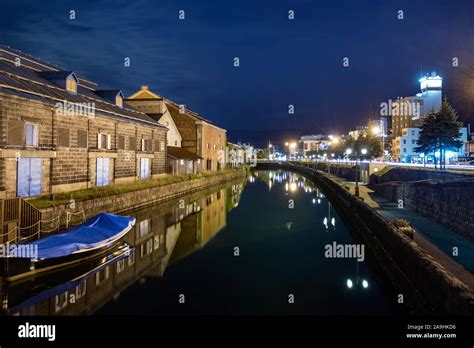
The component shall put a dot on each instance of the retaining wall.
(137, 199)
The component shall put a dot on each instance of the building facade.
(200, 136)
(61, 132)
(314, 143)
(403, 147)
(409, 112)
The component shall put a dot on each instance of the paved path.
(436, 239)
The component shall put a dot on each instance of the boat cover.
(95, 232)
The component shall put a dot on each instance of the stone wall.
(449, 203)
(345, 171)
(412, 174)
(136, 199)
(426, 285)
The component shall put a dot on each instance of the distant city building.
(236, 154)
(409, 112)
(359, 131)
(314, 143)
(403, 147)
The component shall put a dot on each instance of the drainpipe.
(51, 159)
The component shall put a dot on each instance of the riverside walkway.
(437, 240)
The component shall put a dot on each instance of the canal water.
(244, 248)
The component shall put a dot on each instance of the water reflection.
(282, 228)
(163, 234)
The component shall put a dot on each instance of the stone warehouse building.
(60, 132)
(193, 133)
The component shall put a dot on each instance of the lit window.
(71, 85)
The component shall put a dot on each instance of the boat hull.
(16, 269)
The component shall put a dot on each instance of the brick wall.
(73, 165)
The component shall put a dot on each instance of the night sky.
(282, 61)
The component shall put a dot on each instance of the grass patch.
(47, 201)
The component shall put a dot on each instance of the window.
(31, 134)
(404, 149)
(104, 141)
(208, 145)
(132, 143)
(146, 145)
(16, 130)
(120, 266)
(63, 137)
(119, 100)
(144, 168)
(121, 142)
(413, 141)
(102, 171)
(181, 162)
(404, 141)
(71, 85)
(82, 139)
(101, 276)
(412, 132)
(143, 228)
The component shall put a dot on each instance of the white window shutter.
(99, 140)
(35, 135)
(109, 141)
(143, 145)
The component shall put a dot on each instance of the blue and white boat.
(81, 244)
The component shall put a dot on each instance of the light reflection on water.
(235, 249)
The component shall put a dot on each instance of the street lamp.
(379, 132)
(364, 152)
(271, 150)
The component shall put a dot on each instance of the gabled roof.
(175, 111)
(108, 94)
(145, 94)
(26, 80)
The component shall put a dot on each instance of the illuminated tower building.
(409, 112)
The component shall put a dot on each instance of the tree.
(440, 131)
(428, 140)
(263, 154)
(450, 130)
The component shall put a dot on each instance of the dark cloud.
(282, 62)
